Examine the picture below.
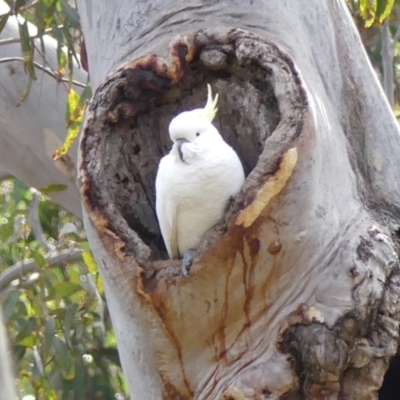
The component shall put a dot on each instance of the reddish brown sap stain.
(254, 246)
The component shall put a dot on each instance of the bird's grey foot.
(229, 203)
(187, 262)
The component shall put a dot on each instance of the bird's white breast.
(199, 190)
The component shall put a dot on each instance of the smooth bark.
(295, 294)
(7, 384)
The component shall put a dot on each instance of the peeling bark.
(295, 294)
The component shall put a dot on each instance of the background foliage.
(62, 341)
(56, 313)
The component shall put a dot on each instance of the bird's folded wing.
(167, 210)
(173, 240)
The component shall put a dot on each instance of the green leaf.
(76, 106)
(59, 313)
(20, 192)
(62, 61)
(9, 304)
(40, 23)
(53, 188)
(64, 359)
(383, 9)
(3, 21)
(79, 382)
(6, 230)
(19, 352)
(27, 49)
(69, 317)
(26, 336)
(19, 4)
(89, 261)
(63, 289)
(71, 14)
(367, 12)
(26, 93)
(72, 104)
(40, 261)
(37, 308)
(57, 34)
(49, 331)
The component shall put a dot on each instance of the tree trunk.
(30, 133)
(295, 294)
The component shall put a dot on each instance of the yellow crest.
(210, 109)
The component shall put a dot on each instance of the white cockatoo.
(195, 181)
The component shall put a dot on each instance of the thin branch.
(42, 68)
(20, 269)
(47, 31)
(397, 34)
(26, 7)
(33, 217)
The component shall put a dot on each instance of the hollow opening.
(390, 389)
(131, 149)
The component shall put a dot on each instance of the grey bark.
(7, 384)
(295, 294)
(30, 134)
(388, 53)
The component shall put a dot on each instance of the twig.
(33, 217)
(20, 269)
(44, 69)
(47, 31)
(26, 7)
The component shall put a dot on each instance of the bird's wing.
(166, 209)
(173, 239)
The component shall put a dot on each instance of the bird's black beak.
(180, 142)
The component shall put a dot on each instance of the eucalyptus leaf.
(63, 289)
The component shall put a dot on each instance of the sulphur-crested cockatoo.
(195, 181)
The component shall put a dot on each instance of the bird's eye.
(198, 134)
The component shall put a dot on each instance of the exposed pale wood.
(295, 294)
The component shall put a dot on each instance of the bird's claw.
(187, 262)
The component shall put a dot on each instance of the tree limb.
(17, 270)
(44, 69)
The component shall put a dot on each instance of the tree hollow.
(126, 131)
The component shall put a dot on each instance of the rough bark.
(30, 133)
(293, 295)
